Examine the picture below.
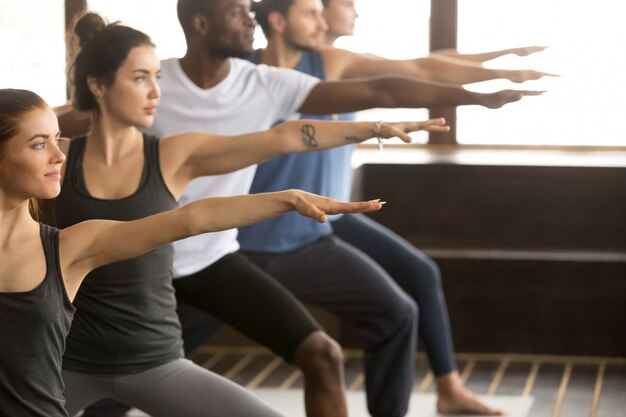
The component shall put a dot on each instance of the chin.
(49, 194)
(144, 124)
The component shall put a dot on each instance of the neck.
(204, 70)
(279, 53)
(109, 143)
(15, 219)
(329, 39)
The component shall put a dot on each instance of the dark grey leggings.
(238, 292)
(337, 277)
(415, 273)
(179, 388)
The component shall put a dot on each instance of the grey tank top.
(33, 327)
(126, 319)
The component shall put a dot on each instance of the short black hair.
(187, 8)
(263, 8)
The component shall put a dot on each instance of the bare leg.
(453, 397)
(320, 359)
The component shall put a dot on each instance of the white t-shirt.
(250, 98)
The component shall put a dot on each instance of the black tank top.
(33, 327)
(126, 319)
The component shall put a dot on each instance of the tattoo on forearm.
(352, 139)
(307, 132)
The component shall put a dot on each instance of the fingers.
(520, 76)
(525, 51)
(356, 207)
(320, 210)
(338, 207)
(435, 125)
(531, 92)
(401, 129)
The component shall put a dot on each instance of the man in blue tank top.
(289, 248)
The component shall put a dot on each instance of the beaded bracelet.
(377, 134)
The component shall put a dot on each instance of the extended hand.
(500, 98)
(526, 50)
(317, 207)
(400, 129)
(519, 76)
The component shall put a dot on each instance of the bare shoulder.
(337, 61)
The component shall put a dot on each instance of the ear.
(96, 86)
(277, 21)
(200, 24)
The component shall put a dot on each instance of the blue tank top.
(303, 171)
(309, 171)
(341, 172)
(126, 319)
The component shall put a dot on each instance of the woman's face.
(31, 161)
(134, 96)
(341, 17)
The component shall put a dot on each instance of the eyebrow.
(145, 71)
(42, 135)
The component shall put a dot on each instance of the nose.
(250, 19)
(155, 91)
(322, 23)
(57, 157)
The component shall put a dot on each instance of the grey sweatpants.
(179, 388)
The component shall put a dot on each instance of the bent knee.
(406, 312)
(412, 310)
(317, 351)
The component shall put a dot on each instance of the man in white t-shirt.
(212, 89)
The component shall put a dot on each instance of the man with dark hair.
(293, 26)
(210, 89)
(296, 31)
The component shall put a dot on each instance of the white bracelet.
(377, 134)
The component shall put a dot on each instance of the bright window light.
(32, 47)
(582, 107)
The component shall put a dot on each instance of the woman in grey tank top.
(133, 347)
(42, 268)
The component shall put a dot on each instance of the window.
(32, 47)
(583, 107)
(157, 19)
(394, 29)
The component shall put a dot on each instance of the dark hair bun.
(87, 27)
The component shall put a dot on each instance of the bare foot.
(454, 398)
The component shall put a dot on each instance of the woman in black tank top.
(115, 172)
(42, 268)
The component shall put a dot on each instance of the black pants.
(331, 274)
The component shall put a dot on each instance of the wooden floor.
(561, 386)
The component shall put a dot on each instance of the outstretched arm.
(342, 64)
(398, 91)
(88, 245)
(458, 71)
(191, 155)
(486, 56)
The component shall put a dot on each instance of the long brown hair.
(14, 105)
(103, 49)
